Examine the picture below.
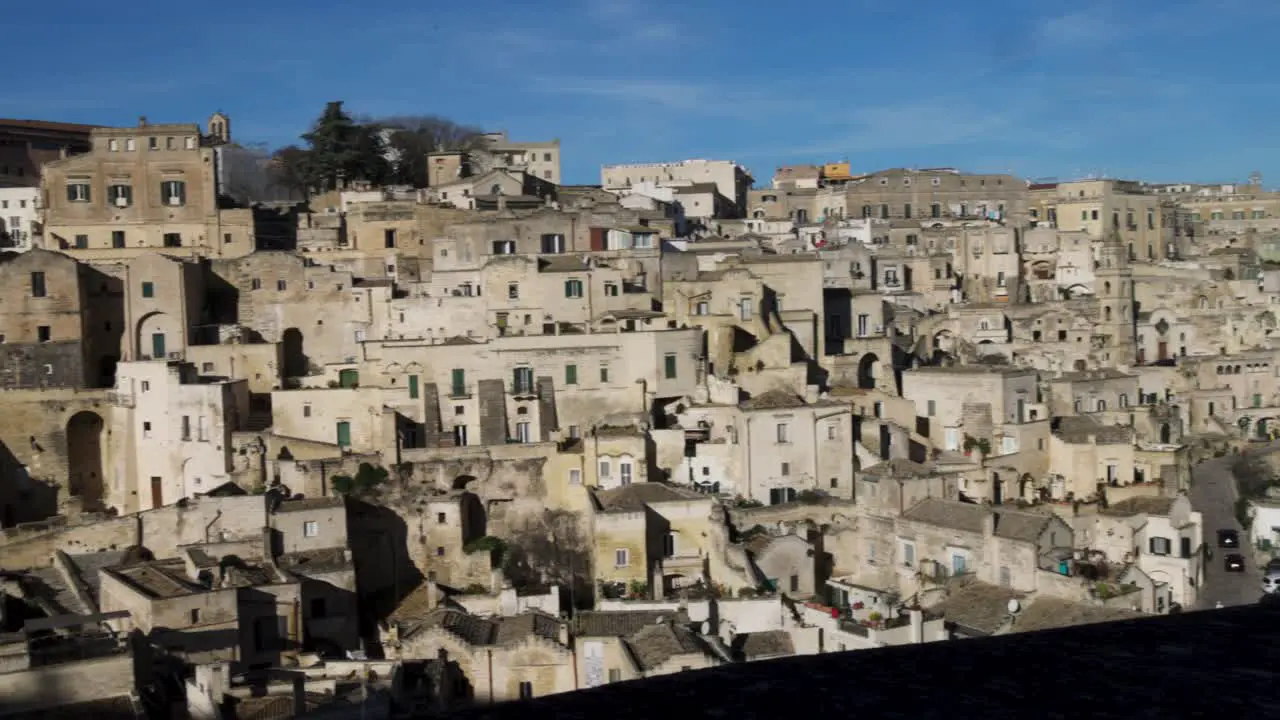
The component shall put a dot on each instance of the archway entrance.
(84, 456)
(867, 371)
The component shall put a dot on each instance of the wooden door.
(157, 492)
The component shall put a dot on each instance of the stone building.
(150, 187)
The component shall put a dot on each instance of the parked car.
(1234, 562)
(1228, 539)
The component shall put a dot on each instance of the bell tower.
(1113, 289)
(220, 128)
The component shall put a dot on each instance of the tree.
(414, 136)
(288, 169)
(340, 150)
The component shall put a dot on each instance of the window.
(958, 564)
(37, 284)
(570, 374)
(117, 239)
(522, 380)
(604, 469)
(526, 690)
(573, 288)
(908, 554)
(552, 244)
(785, 469)
(932, 408)
(78, 192)
(186, 427)
(906, 210)
(513, 291)
(282, 285)
(82, 242)
(458, 383)
(153, 143)
(43, 333)
(389, 238)
(173, 239)
(604, 374)
(669, 366)
(120, 195)
(169, 143)
(504, 247)
(146, 429)
(611, 289)
(173, 192)
(255, 284)
(624, 472)
(310, 528)
(615, 675)
(575, 477)
(744, 308)
(833, 431)
(1160, 546)
(621, 557)
(113, 145)
(202, 430)
(523, 433)
(783, 433)
(148, 290)
(190, 143)
(130, 145)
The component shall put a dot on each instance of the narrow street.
(1213, 494)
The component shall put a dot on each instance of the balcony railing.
(121, 399)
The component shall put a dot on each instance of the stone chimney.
(142, 121)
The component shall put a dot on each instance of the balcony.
(121, 399)
(524, 390)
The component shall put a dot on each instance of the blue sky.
(1150, 89)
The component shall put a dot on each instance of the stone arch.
(867, 371)
(943, 340)
(84, 455)
(1262, 428)
(1026, 487)
(1166, 433)
(158, 334)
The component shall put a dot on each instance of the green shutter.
(344, 434)
(568, 288)
(348, 378)
(148, 290)
(670, 367)
(459, 382)
(570, 374)
(413, 387)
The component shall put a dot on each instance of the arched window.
(1106, 312)
(1102, 405)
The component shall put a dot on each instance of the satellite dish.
(1014, 606)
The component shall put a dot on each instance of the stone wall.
(40, 365)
